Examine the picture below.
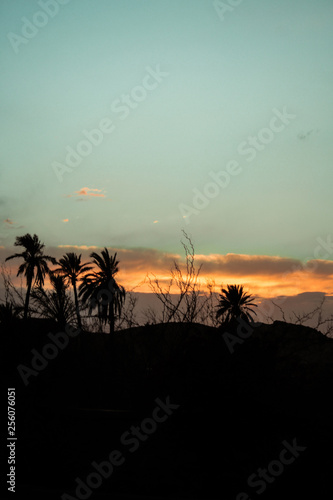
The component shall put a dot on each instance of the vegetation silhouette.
(235, 304)
(34, 261)
(56, 304)
(190, 303)
(100, 289)
(8, 313)
(273, 387)
(72, 269)
(183, 298)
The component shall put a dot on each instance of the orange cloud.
(262, 275)
(65, 220)
(241, 264)
(265, 276)
(90, 192)
(78, 247)
(8, 221)
(85, 193)
(303, 284)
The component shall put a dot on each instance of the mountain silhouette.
(235, 409)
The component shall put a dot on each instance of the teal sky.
(222, 79)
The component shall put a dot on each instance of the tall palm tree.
(72, 269)
(57, 303)
(235, 303)
(100, 289)
(34, 262)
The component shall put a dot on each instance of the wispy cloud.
(10, 224)
(65, 220)
(86, 193)
(78, 247)
(303, 135)
(90, 192)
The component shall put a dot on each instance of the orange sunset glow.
(264, 276)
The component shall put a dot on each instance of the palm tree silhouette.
(34, 260)
(101, 289)
(56, 304)
(71, 268)
(235, 303)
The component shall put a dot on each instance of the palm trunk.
(27, 297)
(77, 306)
(111, 316)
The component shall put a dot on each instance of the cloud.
(90, 192)
(9, 224)
(263, 275)
(86, 193)
(320, 267)
(240, 264)
(65, 220)
(304, 135)
(78, 247)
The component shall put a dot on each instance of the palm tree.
(34, 261)
(101, 289)
(71, 268)
(56, 304)
(235, 303)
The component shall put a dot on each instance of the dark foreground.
(168, 412)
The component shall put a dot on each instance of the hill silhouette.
(235, 410)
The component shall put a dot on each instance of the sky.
(124, 123)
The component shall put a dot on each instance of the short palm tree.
(100, 289)
(72, 269)
(235, 303)
(55, 304)
(35, 262)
